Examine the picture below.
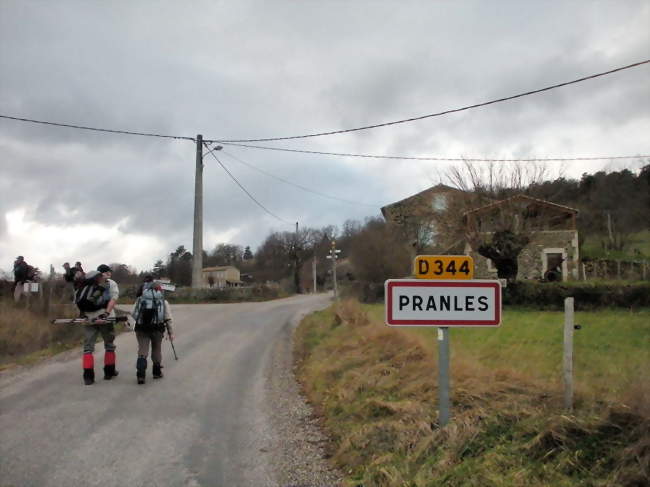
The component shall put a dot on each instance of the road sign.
(444, 267)
(415, 302)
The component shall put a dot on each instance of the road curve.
(205, 424)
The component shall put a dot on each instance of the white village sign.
(418, 302)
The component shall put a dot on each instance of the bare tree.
(495, 222)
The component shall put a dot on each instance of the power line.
(95, 129)
(246, 191)
(472, 159)
(438, 114)
(300, 186)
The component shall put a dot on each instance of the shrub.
(587, 295)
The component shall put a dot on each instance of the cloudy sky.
(242, 69)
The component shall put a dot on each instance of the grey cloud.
(230, 70)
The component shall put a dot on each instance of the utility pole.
(197, 247)
(313, 272)
(296, 258)
(333, 256)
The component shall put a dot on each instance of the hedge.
(587, 295)
(542, 295)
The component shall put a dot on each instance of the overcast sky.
(244, 69)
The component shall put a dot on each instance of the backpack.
(150, 309)
(69, 275)
(90, 297)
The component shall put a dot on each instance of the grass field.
(611, 351)
(375, 388)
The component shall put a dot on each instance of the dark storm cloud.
(249, 69)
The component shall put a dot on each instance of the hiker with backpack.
(23, 272)
(152, 316)
(96, 301)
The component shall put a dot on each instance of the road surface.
(206, 423)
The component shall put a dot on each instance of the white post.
(568, 354)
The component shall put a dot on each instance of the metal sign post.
(444, 403)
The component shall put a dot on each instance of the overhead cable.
(300, 186)
(438, 114)
(246, 191)
(95, 129)
(413, 158)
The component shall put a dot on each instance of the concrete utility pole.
(313, 273)
(334, 255)
(197, 247)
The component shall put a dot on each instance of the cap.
(104, 268)
(20, 257)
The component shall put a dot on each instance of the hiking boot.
(110, 372)
(141, 367)
(89, 376)
(157, 373)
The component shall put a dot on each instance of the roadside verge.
(375, 390)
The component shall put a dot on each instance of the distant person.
(96, 303)
(152, 316)
(68, 277)
(79, 275)
(23, 273)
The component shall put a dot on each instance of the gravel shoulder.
(296, 442)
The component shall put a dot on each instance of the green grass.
(611, 351)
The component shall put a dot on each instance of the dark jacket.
(21, 271)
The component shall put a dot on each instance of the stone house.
(221, 277)
(436, 220)
(423, 217)
(552, 231)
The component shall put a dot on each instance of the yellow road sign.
(444, 267)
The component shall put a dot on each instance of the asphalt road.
(206, 423)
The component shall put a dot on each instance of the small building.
(551, 228)
(221, 277)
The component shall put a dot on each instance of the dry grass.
(24, 332)
(375, 389)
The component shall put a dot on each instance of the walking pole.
(170, 340)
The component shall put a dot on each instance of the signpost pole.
(568, 354)
(444, 406)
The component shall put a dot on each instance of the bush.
(587, 295)
(366, 292)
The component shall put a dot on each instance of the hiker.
(152, 316)
(68, 277)
(79, 275)
(96, 301)
(23, 272)
(112, 291)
